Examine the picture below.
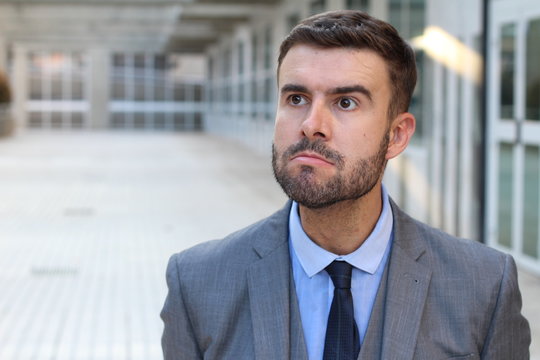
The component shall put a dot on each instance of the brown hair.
(358, 30)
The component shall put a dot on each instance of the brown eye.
(347, 104)
(297, 100)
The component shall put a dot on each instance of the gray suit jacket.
(440, 298)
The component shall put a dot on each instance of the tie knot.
(340, 272)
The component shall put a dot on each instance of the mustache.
(318, 147)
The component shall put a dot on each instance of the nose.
(317, 124)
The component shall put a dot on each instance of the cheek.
(285, 129)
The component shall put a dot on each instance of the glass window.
(159, 89)
(507, 57)
(418, 100)
(240, 58)
(408, 16)
(268, 48)
(139, 120)
(119, 60)
(268, 97)
(210, 65)
(56, 86)
(159, 121)
(532, 111)
(77, 88)
(179, 92)
(254, 49)
(292, 21)
(35, 87)
(35, 119)
(118, 120)
(504, 216)
(160, 62)
(317, 6)
(118, 90)
(531, 208)
(77, 120)
(56, 120)
(358, 5)
(139, 61)
(197, 93)
(226, 63)
(139, 87)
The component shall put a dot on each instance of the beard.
(307, 190)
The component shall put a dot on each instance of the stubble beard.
(308, 191)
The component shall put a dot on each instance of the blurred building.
(473, 168)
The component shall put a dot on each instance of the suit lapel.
(269, 283)
(407, 288)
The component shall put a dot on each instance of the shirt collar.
(367, 257)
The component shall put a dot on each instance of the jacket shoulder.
(443, 250)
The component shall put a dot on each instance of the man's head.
(338, 120)
(358, 30)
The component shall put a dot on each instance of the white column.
(98, 87)
(20, 86)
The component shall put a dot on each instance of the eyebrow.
(293, 88)
(350, 89)
(336, 91)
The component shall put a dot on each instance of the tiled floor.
(88, 221)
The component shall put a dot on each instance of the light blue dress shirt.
(315, 289)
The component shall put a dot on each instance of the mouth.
(311, 158)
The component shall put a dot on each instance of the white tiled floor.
(88, 221)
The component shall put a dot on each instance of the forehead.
(331, 67)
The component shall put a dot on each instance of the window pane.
(508, 38)
(254, 56)
(77, 88)
(533, 71)
(358, 5)
(292, 20)
(531, 211)
(317, 6)
(506, 152)
(56, 86)
(119, 61)
(268, 48)
(240, 58)
(56, 120)
(139, 61)
(35, 87)
(160, 62)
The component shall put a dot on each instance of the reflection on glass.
(507, 58)
(532, 110)
(504, 216)
(531, 206)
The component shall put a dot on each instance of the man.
(341, 272)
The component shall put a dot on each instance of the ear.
(401, 132)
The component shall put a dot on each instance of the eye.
(297, 99)
(347, 104)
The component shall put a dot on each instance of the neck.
(343, 227)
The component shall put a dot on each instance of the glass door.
(514, 124)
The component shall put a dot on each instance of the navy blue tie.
(342, 339)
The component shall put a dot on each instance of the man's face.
(332, 130)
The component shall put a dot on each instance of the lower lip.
(309, 160)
